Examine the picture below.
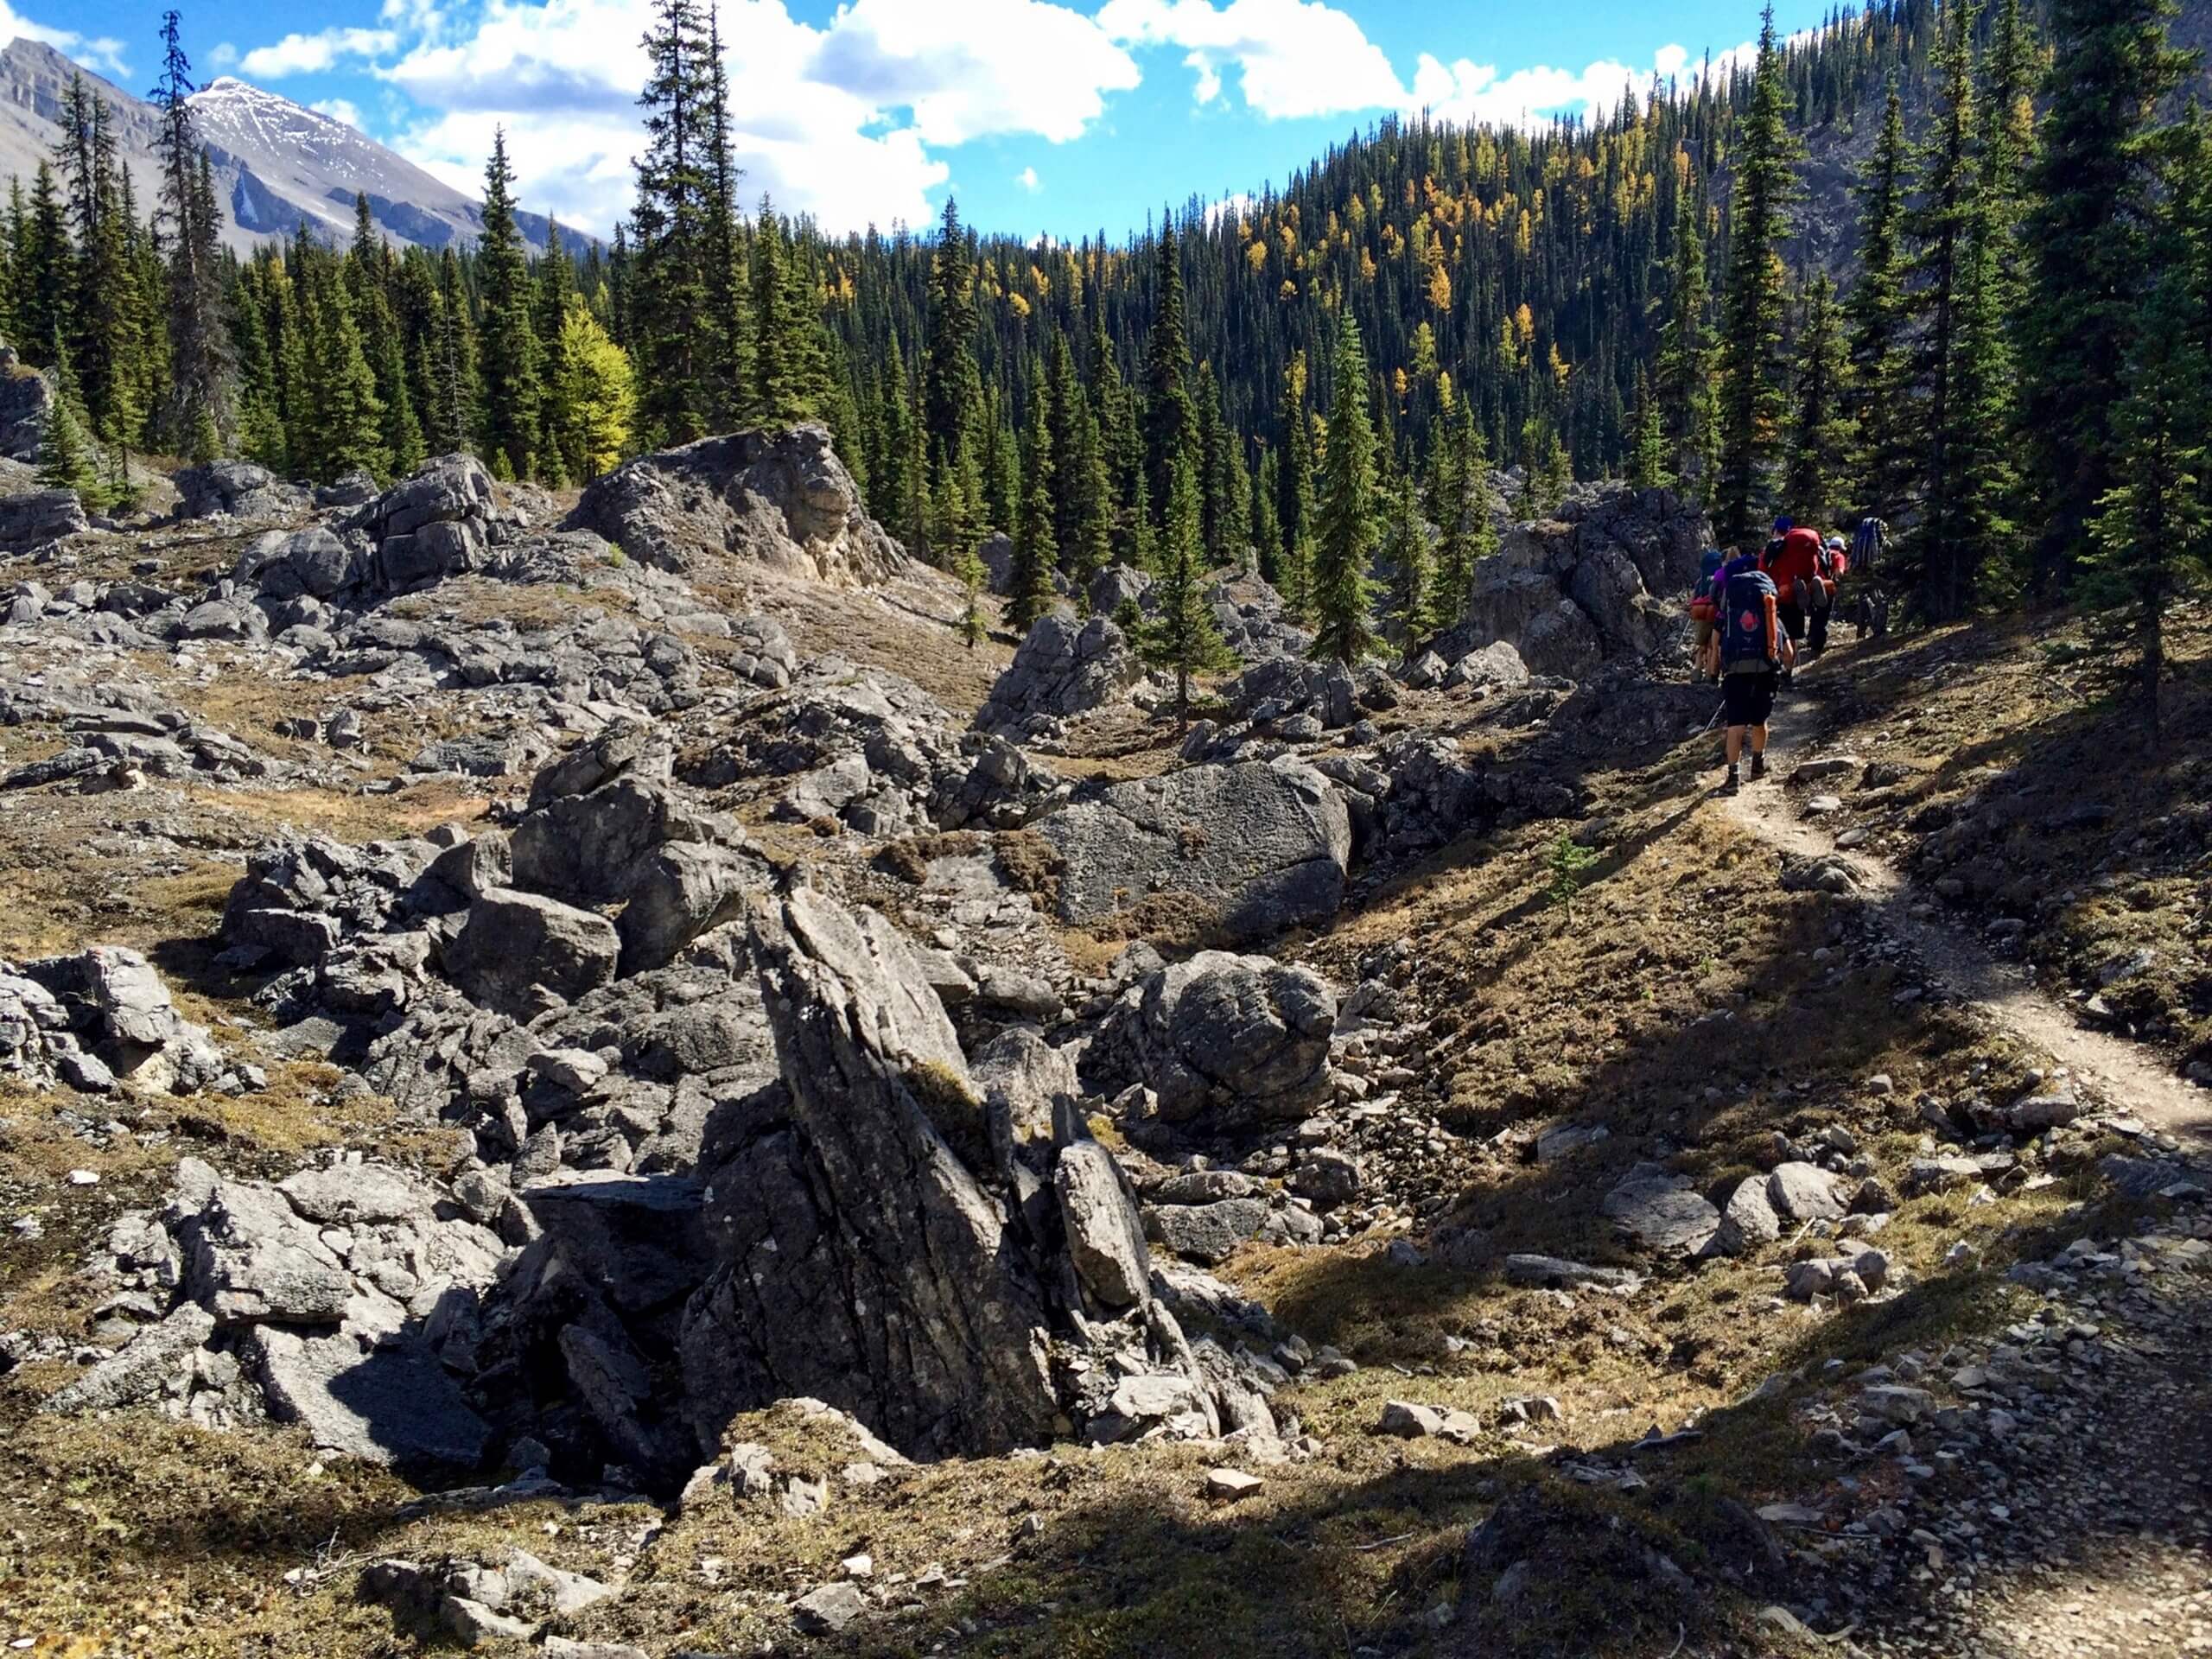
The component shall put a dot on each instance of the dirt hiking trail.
(2129, 1076)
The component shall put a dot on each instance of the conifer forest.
(2006, 357)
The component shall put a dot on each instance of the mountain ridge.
(277, 163)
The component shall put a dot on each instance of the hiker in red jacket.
(1794, 566)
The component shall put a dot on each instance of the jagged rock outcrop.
(912, 1310)
(100, 1019)
(439, 523)
(1063, 668)
(238, 489)
(1278, 690)
(1005, 788)
(33, 518)
(26, 404)
(1594, 582)
(780, 497)
(1261, 846)
(916, 1246)
(341, 1298)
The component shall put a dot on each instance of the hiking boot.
(1731, 785)
(1759, 767)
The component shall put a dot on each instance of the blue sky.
(1044, 118)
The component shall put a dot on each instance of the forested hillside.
(1646, 293)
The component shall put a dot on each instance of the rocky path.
(2083, 1530)
(2128, 1075)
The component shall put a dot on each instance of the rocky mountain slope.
(277, 164)
(577, 1075)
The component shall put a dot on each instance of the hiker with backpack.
(1705, 603)
(1749, 649)
(1793, 561)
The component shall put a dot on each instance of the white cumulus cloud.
(1292, 57)
(839, 121)
(306, 54)
(980, 68)
(339, 109)
(1028, 181)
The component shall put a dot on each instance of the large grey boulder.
(522, 954)
(1064, 668)
(1263, 845)
(36, 517)
(310, 561)
(249, 1258)
(1661, 1213)
(1105, 1235)
(1594, 581)
(679, 890)
(583, 848)
(1747, 1220)
(390, 1404)
(441, 522)
(858, 1257)
(778, 498)
(237, 489)
(1235, 1040)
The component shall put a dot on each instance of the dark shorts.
(1749, 698)
(1793, 620)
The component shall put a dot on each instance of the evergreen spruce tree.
(1647, 468)
(2151, 536)
(1683, 388)
(507, 351)
(968, 569)
(1182, 633)
(1001, 467)
(15, 231)
(1036, 552)
(1144, 540)
(1468, 533)
(1878, 381)
(2092, 194)
(1065, 411)
(66, 461)
(1171, 422)
(367, 285)
(1343, 538)
(348, 420)
(1266, 531)
(261, 423)
(952, 386)
(786, 360)
(1093, 550)
(1753, 398)
(452, 425)
(553, 290)
(1955, 354)
(1411, 595)
(669, 293)
(731, 394)
(1295, 472)
(201, 372)
(1823, 439)
(43, 262)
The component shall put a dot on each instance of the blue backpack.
(1745, 633)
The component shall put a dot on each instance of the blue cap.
(1709, 561)
(1783, 526)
